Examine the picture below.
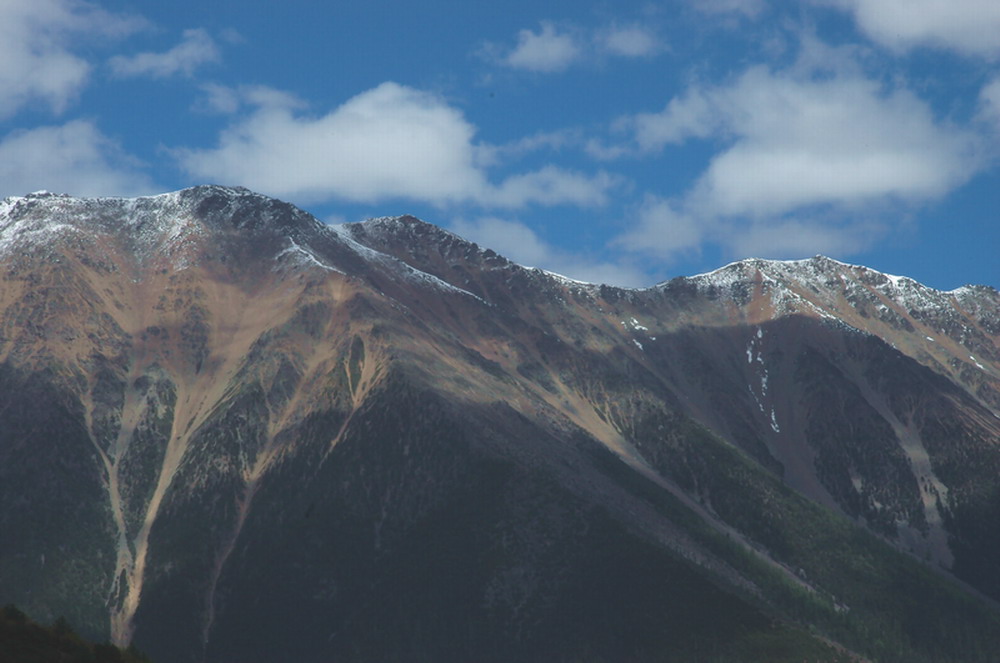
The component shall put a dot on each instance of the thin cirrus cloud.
(73, 158)
(989, 104)
(37, 44)
(195, 49)
(392, 141)
(746, 7)
(798, 147)
(518, 242)
(969, 27)
(668, 231)
(631, 41)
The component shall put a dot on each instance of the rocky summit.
(230, 432)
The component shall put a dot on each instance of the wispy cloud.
(632, 41)
(745, 7)
(195, 49)
(550, 185)
(555, 47)
(74, 158)
(661, 229)
(989, 103)
(38, 44)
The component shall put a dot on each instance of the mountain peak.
(148, 227)
(411, 231)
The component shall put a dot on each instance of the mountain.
(229, 432)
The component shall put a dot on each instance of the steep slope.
(231, 433)
(816, 369)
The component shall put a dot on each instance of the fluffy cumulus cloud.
(547, 50)
(391, 141)
(37, 58)
(518, 242)
(841, 140)
(800, 147)
(971, 27)
(196, 48)
(74, 158)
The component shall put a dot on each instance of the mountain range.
(231, 432)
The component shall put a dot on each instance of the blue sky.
(624, 142)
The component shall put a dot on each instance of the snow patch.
(564, 279)
(637, 326)
(304, 256)
(401, 268)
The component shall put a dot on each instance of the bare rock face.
(229, 432)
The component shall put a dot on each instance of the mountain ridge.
(206, 387)
(209, 195)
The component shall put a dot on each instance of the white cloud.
(663, 230)
(388, 142)
(551, 185)
(629, 41)
(841, 140)
(798, 141)
(74, 158)
(801, 149)
(491, 155)
(545, 51)
(218, 99)
(518, 242)
(37, 59)
(227, 100)
(970, 27)
(196, 48)
(552, 49)
(797, 238)
(692, 116)
(989, 103)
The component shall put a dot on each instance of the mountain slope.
(229, 432)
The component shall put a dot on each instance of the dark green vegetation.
(24, 641)
(490, 561)
(56, 546)
(862, 593)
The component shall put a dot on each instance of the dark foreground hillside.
(24, 641)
